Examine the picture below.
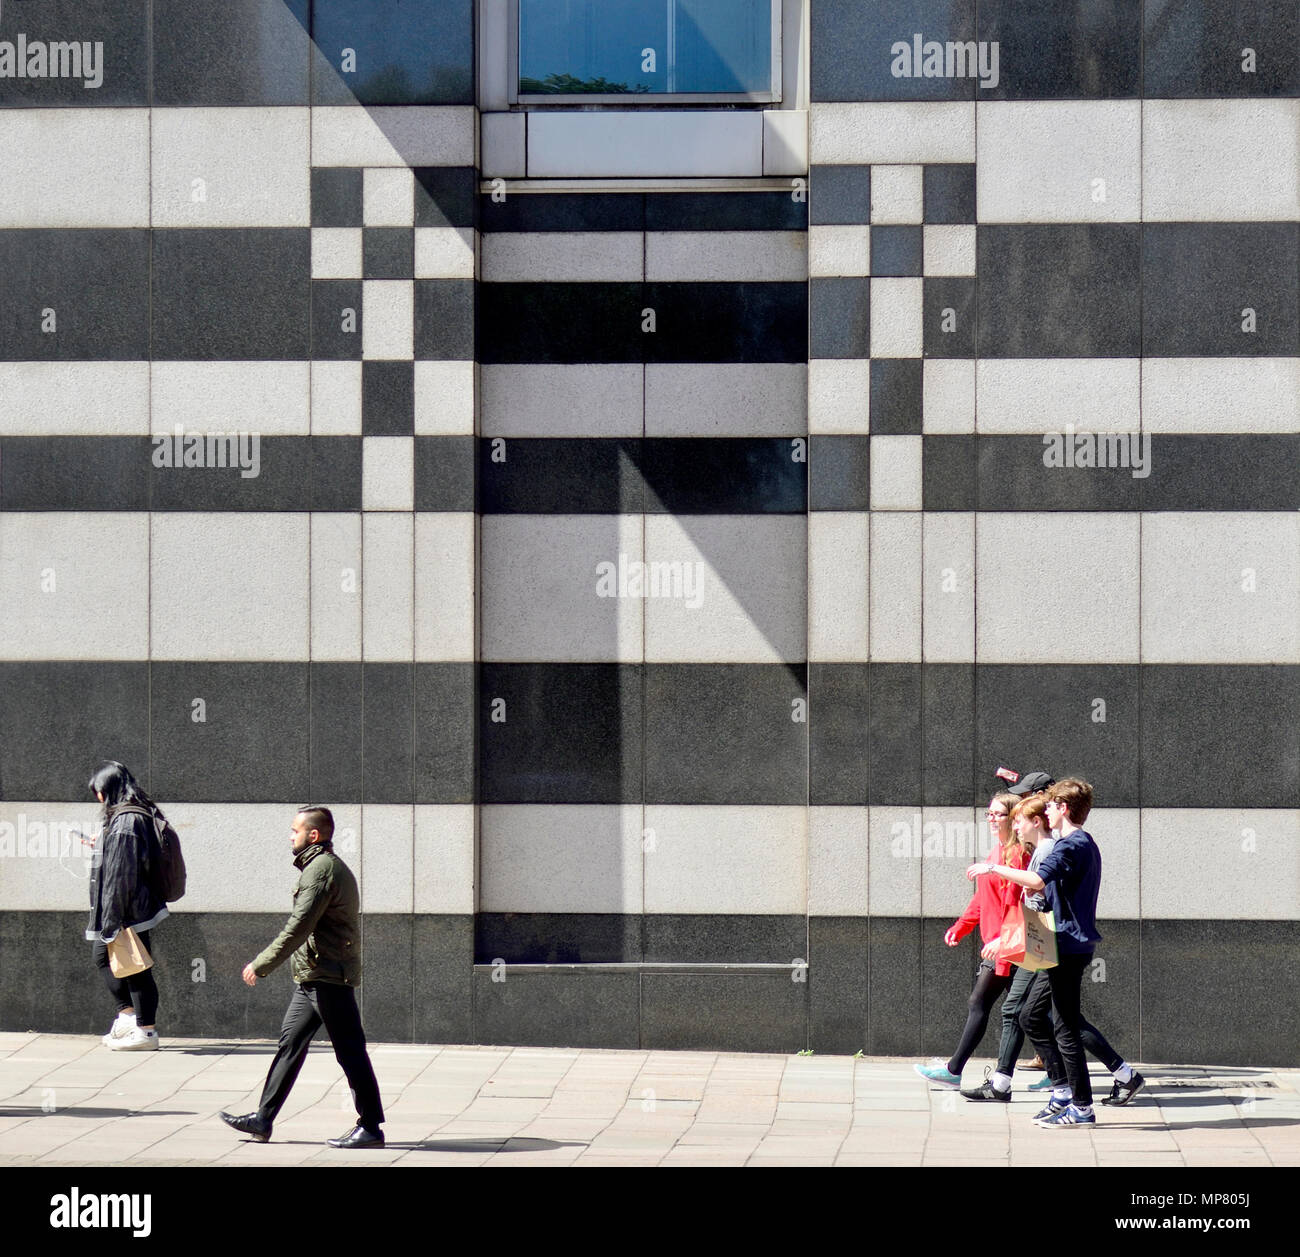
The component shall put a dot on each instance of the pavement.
(66, 1100)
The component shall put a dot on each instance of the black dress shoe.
(358, 1137)
(251, 1125)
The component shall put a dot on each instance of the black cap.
(1026, 783)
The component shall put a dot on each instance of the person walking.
(323, 934)
(124, 894)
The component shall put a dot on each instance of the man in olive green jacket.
(323, 935)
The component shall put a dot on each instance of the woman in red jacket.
(987, 908)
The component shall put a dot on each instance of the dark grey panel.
(557, 1009)
(405, 54)
(894, 753)
(564, 211)
(117, 72)
(948, 765)
(946, 977)
(445, 196)
(335, 473)
(1257, 472)
(837, 984)
(1059, 291)
(336, 316)
(725, 211)
(556, 322)
(388, 398)
(58, 721)
(337, 196)
(1013, 476)
(1217, 993)
(948, 193)
(232, 294)
(444, 473)
(724, 733)
(949, 473)
(853, 56)
(444, 319)
(839, 318)
(700, 937)
(445, 733)
(388, 252)
(540, 476)
(741, 1012)
(1197, 47)
(1196, 720)
(839, 195)
(896, 250)
(721, 476)
(838, 728)
(388, 712)
(252, 747)
(949, 312)
(387, 992)
(564, 938)
(442, 979)
(1050, 50)
(239, 52)
(1112, 989)
(283, 466)
(839, 472)
(334, 749)
(1200, 281)
(896, 392)
(725, 322)
(1010, 728)
(74, 473)
(95, 283)
(895, 946)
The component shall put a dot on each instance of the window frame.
(643, 100)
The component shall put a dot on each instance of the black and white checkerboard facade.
(648, 527)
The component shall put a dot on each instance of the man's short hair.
(318, 818)
(1075, 796)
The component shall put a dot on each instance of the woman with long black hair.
(123, 895)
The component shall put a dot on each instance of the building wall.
(799, 360)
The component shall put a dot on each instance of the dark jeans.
(1058, 1038)
(988, 986)
(139, 991)
(335, 1006)
(1013, 1037)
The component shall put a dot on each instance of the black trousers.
(988, 986)
(139, 991)
(1013, 1037)
(1051, 1018)
(335, 1007)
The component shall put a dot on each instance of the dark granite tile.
(252, 747)
(445, 708)
(894, 998)
(1203, 1000)
(388, 252)
(1011, 728)
(1198, 718)
(444, 319)
(443, 978)
(896, 391)
(1112, 990)
(724, 733)
(949, 316)
(337, 196)
(387, 992)
(239, 52)
(1021, 473)
(948, 767)
(894, 718)
(1050, 51)
(1202, 281)
(541, 476)
(334, 749)
(948, 193)
(557, 1008)
(559, 322)
(1198, 48)
(86, 713)
(74, 293)
(725, 211)
(74, 473)
(1060, 290)
(725, 322)
(718, 938)
(388, 398)
(232, 294)
(403, 53)
(896, 251)
(388, 699)
(277, 467)
(336, 314)
(839, 477)
(946, 977)
(856, 57)
(756, 1011)
(116, 72)
(563, 211)
(839, 318)
(561, 733)
(563, 938)
(949, 473)
(335, 473)
(1222, 473)
(837, 984)
(444, 473)
(445, 196)
(839, 195)
(721, 475)
(838, 727)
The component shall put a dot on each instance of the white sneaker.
(136, 1040)
(123, 1026)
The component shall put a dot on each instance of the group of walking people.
(1042, 861)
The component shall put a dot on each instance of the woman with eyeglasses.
(987, 909)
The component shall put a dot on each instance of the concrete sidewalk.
(66, 1100)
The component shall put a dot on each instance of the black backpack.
(169, 877)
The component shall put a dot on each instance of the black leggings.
(988, 986)
(139, 991)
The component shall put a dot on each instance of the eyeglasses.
(996, 816)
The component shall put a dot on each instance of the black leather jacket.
(122, 890)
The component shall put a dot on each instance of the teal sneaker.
(1043, 1084)
(938, 1072)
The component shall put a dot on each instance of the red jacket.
(989, 904)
